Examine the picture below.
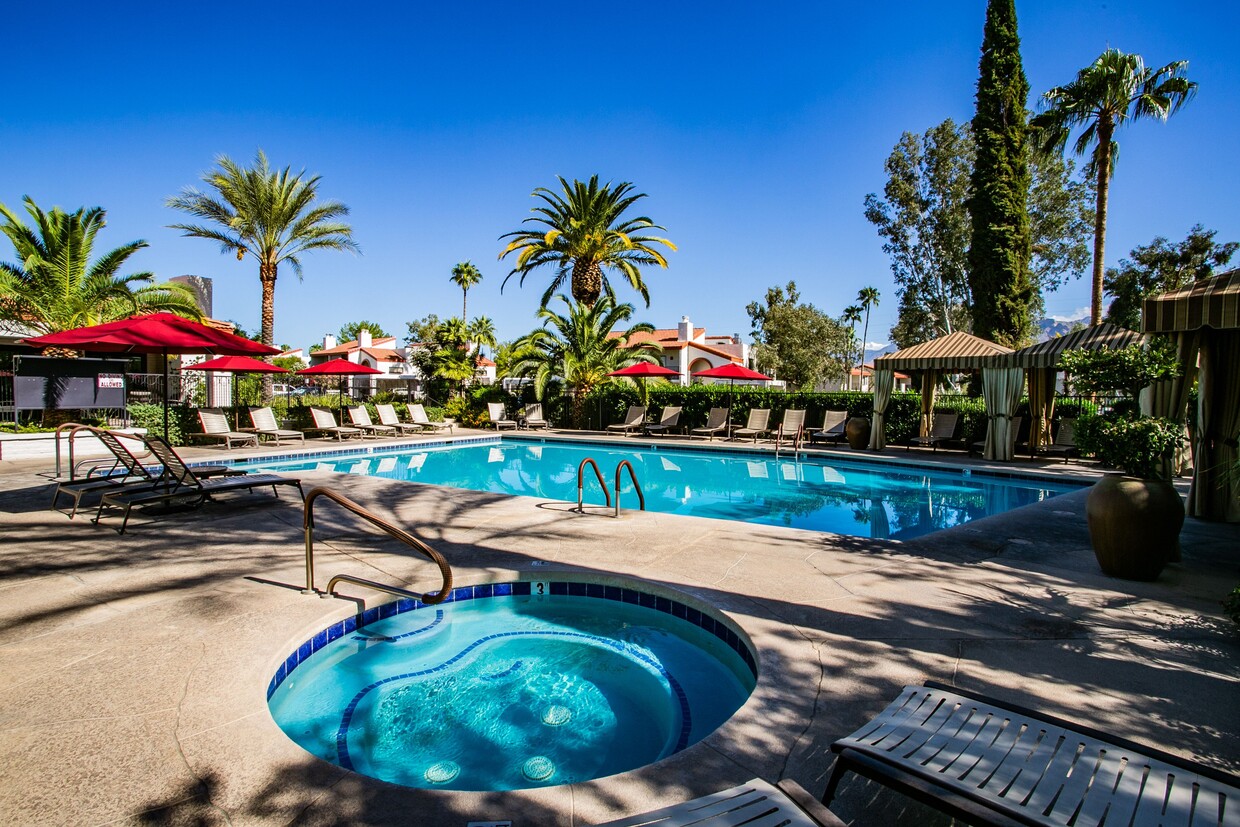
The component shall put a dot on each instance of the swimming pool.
(820, 494)
(513, 685)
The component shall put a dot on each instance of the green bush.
(182, 421)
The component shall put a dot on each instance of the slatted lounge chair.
(361, 419)
(1065, 441)
(387, 416)
(669, 420)
(832, 429)
(756, 426)
(753, 804)
(942, 430)
(790, 429)
(499, 417)
(534, 417)
(265, 425)
(325, 421)
(979, 447)
(987, 762)
(180, 483)
(716, 423)
(215, 426)
(633, 422)
(126, 471)
(418, 414)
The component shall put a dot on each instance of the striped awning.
(1046, 354)
(957, 351)
(1212, 302)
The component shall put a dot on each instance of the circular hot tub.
(512, 685)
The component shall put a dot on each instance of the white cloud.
(876, 345)
(1075, 315)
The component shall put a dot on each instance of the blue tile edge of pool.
(571, 588)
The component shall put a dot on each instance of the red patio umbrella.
(341, 368)
(165, 333)
(640, 370)
(235, 365)
(732, 371)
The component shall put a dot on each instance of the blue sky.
(755, 129)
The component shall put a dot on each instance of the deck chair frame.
(634, 421)
(943, 430)
(756, 424)
(322, 416)
(417, 413)
(265, 425)
(791, 426)
(360, 417)
(389, 417)
(717, 421)
(755, 803)
(832, 429)
(215, 426)
(534, 417)
(1065, 441)
(669, 420)
(499, 416)
(127, 472)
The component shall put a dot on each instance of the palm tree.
(868, 296)
(578, 348)
(55, 286)
(269, 214)
(482, 333)
(583, 234)
(1115, 89)
(851, 315)
(465, 275)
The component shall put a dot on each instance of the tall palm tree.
(271, 215)
(868, 296)
(583, 233)
(465, 275)
(851, 315)
(55, 286)
(577, 347)
(482, 333)
(1115, 89)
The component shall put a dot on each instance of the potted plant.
(1134, 516)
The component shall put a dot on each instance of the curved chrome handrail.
(73, 428)
(641, 498)
(392, 531)
(581, 470)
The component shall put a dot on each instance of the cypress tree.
(999, 278)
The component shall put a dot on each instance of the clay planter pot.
(1134, 525)
(857, 432)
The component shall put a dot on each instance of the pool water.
(515, 691)
(844, 497)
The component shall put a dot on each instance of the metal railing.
(392, 531)
(641, 498)
(581, 470)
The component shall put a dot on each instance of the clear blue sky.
(755, 129)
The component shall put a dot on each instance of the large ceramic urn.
(857, 432)
(1134, 525)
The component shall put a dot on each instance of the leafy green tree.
(1161, 266)
(423, 330)
(868, 297)
(582, 233)
(798, 342)
(1061, 222)
(1116, 88)
(54, 285)
(578, 348)
(850, 317)
(350, 331)
(270, 215)
(465, 275)
(999, 248)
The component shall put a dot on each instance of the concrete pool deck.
(134, 668)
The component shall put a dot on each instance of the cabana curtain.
(1214, 493)
(1001, 389)
(884, 382)
(1041, 406)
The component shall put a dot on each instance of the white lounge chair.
(325, 421)
(388, 416)
(634, 420)
(755, 803)
(215, 426)
(756, 425)
(832, 429)
(418, 414)
(499, 417)
(361, 419)
(790, 428)
(265, 425)
(534, 417)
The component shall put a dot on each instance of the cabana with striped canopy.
(1203, 320)
(954, 353)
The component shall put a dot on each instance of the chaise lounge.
(832, 430)
(215, 426)
(716, 423)
(265, 425)
(325, 421)
(942, 429)
(387, 416)
(633, 422)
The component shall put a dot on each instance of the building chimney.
(329, 341)
(363, 337)
(684, 331)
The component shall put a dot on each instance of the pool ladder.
(392, 531)
(581, 472)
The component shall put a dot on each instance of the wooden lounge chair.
(179, 483)
(1065, 441)
(790, 428)
(754, 803)
(388, 417)
(499, 417)
(942, 430)
(265, 425)
(633, 422)
(669, 420)
(325, 421)
(125, 471)
(360, 417)
(716, 423)
(756, 426)
(534, 417)
(987, 762)
(418, 414)
(832, 429)
(215, 426)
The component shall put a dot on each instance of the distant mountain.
(1050, 328)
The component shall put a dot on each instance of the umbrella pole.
(236, 416)
(167, 388)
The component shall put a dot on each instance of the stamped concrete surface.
(133, 669)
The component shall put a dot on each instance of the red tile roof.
(349, 347)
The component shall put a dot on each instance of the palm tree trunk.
(587, 281)
(1105, 131)
(464, 300)
(267, 277)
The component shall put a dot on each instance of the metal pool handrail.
(641, 498)
(581, 470)
(392, 531)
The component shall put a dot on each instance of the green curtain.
(884, 382)
(1041, 406)
(1001, 389)
(929, 379)
(1215, 494)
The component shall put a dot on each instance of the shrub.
(182, 420)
